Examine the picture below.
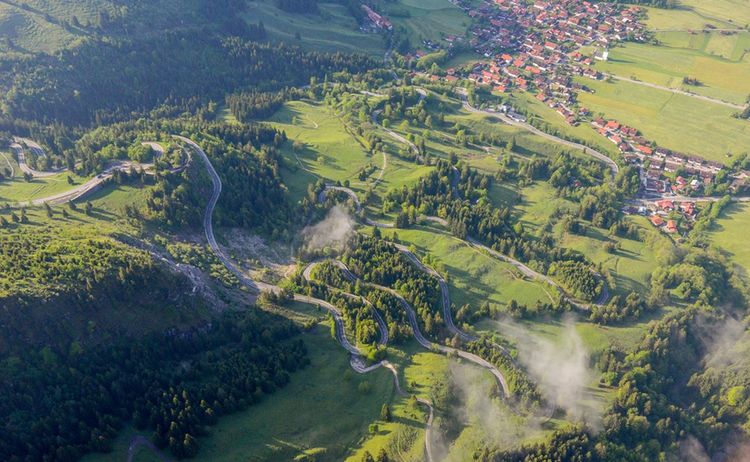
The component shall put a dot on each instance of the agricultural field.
(674, 121)
(735, 12)
(730, 234)
(333, 30)
(719, 62)
(543, 113)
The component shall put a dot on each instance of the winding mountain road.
(18, 147)
(414, 323)
(613, 167)
(356, 360)
(90, 185)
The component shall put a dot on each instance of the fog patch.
(482, 407)
(723, 343)
(333, 232)
(560, 368)
(691, 450)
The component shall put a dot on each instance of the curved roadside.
(18, 146)
(382, 326)
(92, 184)
(613, 167)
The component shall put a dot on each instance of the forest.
(49, 89)
(62, 404)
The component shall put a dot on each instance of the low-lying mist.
(333, 232)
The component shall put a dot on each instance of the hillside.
(396, 230)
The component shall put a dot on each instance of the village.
(542, 47)
(545, 48)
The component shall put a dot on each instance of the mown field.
(719, 62)
(674, 121)
(17, 189)
(730, 234)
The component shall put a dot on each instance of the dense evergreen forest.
(60, 404)
(170, 68)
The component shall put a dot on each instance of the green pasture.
(674, 121)
(735, 12)
(428, 19)
(631, 264)
(473, 276)
(719, 62)
(333, 30)
(17, 189)
(730, 234)
(329, 152)
(537, 205)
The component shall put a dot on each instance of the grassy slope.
(431, 20)
(473, 276)
(39, 27)
(631, 265)
(674, 121)
(18, 190)
(730, 233)
(330, 152)
(333, 30)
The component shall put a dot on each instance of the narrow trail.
(140, 441)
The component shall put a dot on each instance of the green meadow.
(333, 30)
(730, 234)
(427, 19)
(473, 276)
(17, 189)
(327, 150)
(674, 121)
(719, 62)
(631, 264)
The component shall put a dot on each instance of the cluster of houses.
(378, 21)
(658, 165)
(668, 215)
(535, 46)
